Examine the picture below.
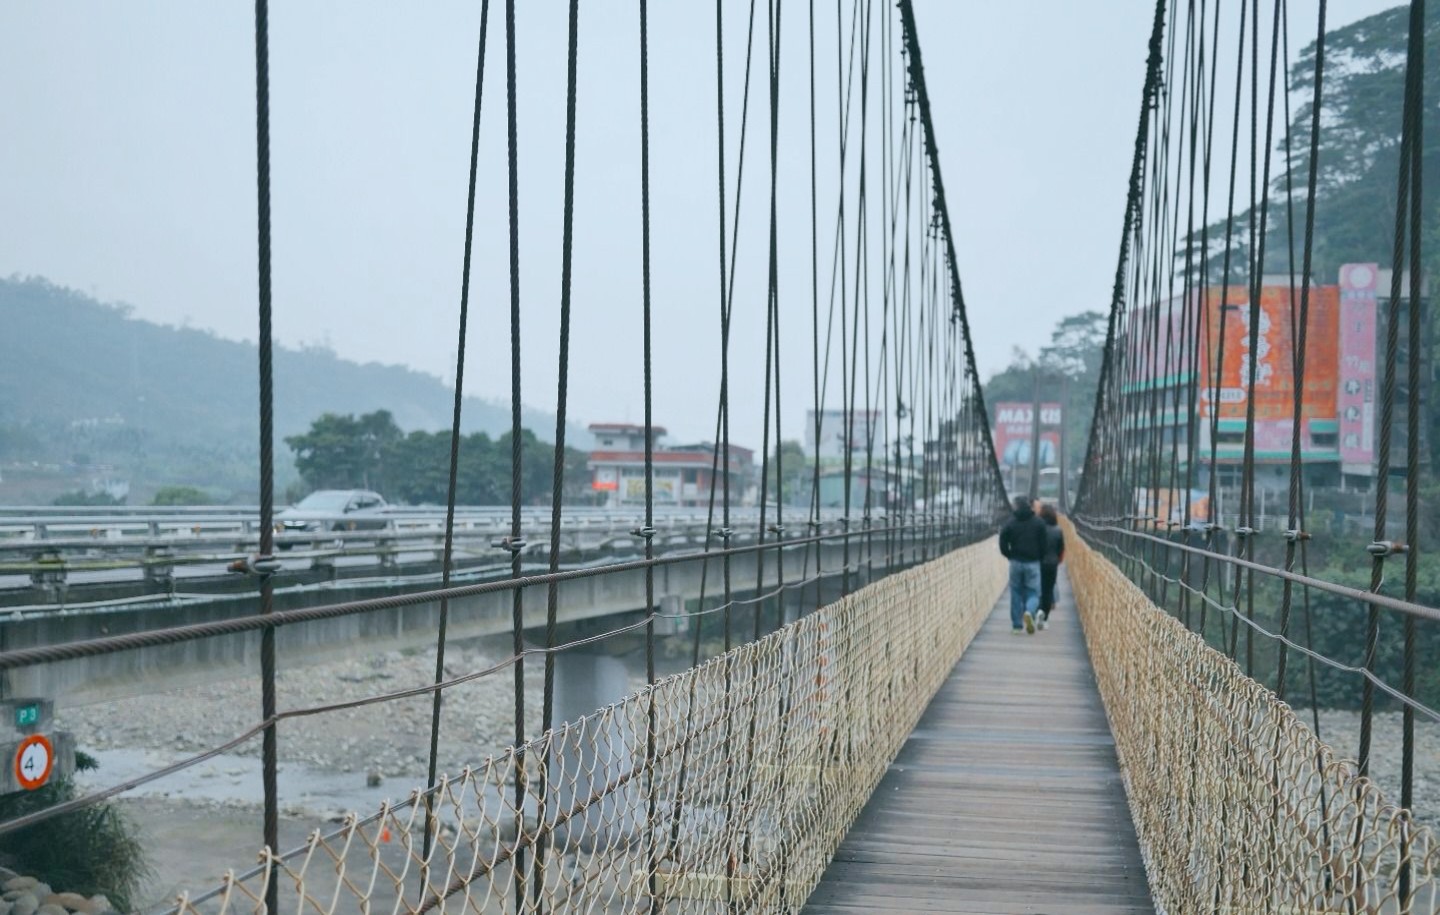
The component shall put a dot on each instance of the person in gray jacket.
(1050, 563)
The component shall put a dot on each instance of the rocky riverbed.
(1341, 730)
(388, 740)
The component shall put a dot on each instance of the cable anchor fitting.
(1382, 549)
(256, 564)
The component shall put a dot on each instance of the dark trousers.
(1047, 586)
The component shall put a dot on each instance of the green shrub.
(95, 849)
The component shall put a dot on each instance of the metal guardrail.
(43, 556)
(27, 524)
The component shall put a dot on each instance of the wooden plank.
(1007, 798)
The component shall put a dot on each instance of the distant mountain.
(89, 393)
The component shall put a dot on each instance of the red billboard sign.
(1014, 432)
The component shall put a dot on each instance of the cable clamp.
(1296, 535)
(1381, 549)
(263, 566)
(643, 532)
(509, 544)
(1243, 531)
(845, 523)
(724, 533)
(777, 529)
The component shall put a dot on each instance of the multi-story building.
(1188, 366)
(682, 473)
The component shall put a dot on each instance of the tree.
(371, 452)
(1070, 361)
(1076, 351)
(343, 452)
(790, 473)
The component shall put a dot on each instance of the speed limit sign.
(34, 760)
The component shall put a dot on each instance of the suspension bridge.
(885, 743)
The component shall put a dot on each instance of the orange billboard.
(1227, 319)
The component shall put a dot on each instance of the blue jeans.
(1024, 590)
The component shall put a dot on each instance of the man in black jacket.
(1022, 541)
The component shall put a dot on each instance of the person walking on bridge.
(1022, 541)
(1049, 563)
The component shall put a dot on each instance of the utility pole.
(1034, 490)
(1064, 498)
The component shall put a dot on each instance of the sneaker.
(1017, 631)
(1040, 619)
(1029, 622)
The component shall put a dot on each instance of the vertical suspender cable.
(1302, 342)
(1257, 281)
(269, 748)
(957, 298)
(1113, 340)
(815, 527)
(449, 551)
(517, 606)
(648, 533)
(1415, 115)
(1387, 412)
(557, 485)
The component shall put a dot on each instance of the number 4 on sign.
(34, 759)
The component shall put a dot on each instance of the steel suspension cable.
(448, 552)
(269, 746)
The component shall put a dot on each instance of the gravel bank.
(390, 739)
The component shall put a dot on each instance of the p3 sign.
(34, 761)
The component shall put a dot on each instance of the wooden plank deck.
(1007, 797)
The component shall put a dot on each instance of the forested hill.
(83, 383)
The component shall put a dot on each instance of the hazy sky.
(127, 171)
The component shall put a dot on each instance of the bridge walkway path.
(1007, 797)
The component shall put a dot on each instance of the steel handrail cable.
(1369, 598)
(614, 865)
(435, 688)
(1409, 706)
(25, 657)
(1280, 639)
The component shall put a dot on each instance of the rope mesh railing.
(1239, 806)
(762, 758)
